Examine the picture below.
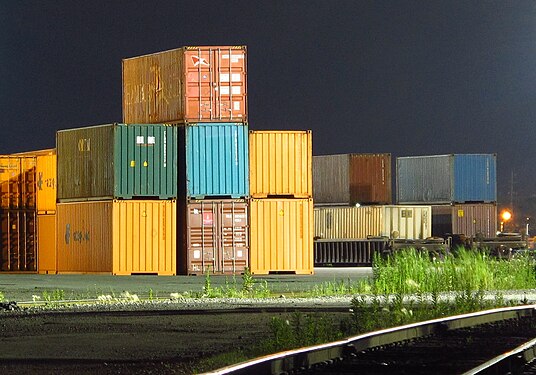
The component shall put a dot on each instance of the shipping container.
(440, 179)
(117, 161)
(120, 237)
(18, 250)
(281, 164)
(470, 220)
(281, 233)
(216, 164)
(391, 221)
(46, 244)
(348, 252)
(215, 237)
(348, 179)
(17, 182)
(188, 84)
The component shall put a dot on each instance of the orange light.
(506, 215)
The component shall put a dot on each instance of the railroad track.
(496, 341)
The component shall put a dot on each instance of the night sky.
(404, 77)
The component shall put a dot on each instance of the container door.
(17, 234)
(234, 240)
(46, 246)
(202, 245)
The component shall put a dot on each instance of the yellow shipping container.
(46, 244)
(121, 237)
(281, 236)
(17, 182)
(281, 164)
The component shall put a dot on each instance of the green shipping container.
(117, 161)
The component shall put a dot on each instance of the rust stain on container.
(188, 84)
(46, 244)
(281, 164)
(281, 236)
(18, 250)
(121, 237)
(215, 236)
(352, 178)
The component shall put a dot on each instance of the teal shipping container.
(117, 161)
(216, 161)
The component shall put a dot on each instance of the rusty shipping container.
(45, 175)
(470, 219)
(281, 164)
(215, 236)
(46, 244)
(18, 247)
(117, 161)
(17, 182)
(391, 221)
(188, 84)
(281, 236)
(348, 179)
(120, 237)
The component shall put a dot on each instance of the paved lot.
(21, 287)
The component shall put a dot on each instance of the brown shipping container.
(215, 237)
(17, 182)
(188, 84)
(281, 236)
(352, 178)
(121, 237)
(281, 164)
(468, 219)
(18, 251)
(46, 244)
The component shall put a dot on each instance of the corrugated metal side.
(281, 163)
(217, 236)
(186, 84)
(145, 161)
(46, 244)
(407, 222)
(348, 252)
(370, 178)
(217, 160)
(424, 179)
(18, 248)
(331, 182)
(281, 236)
(85, 163)
(46, 184)
(347, 222)
(84, 237)
(468, 219)
(475, 178)
(17, 182)
(145, 237)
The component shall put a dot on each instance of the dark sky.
(405, 77)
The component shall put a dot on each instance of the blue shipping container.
(217, 160)
(455, 178)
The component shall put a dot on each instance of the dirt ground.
(122, 343)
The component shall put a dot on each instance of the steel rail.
(290, 360)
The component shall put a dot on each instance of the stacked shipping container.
(203, 91)
(281, 204)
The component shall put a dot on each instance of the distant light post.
(505, 216)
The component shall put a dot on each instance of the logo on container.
(77, 235)
(199, 61)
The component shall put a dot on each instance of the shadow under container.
(347, 179)
(281, 164)
(188, 84)
(281, 236)
(117, 161)
(119, 237)
(214, 236)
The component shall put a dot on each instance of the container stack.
(116, 210)
(461, 189)
(281, 202)
(202, 91)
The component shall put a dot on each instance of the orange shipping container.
(17, 182)
(121, 237)
(281, 164)
(188, 84)
(281, 239)
(46, 244)
(18, 251)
